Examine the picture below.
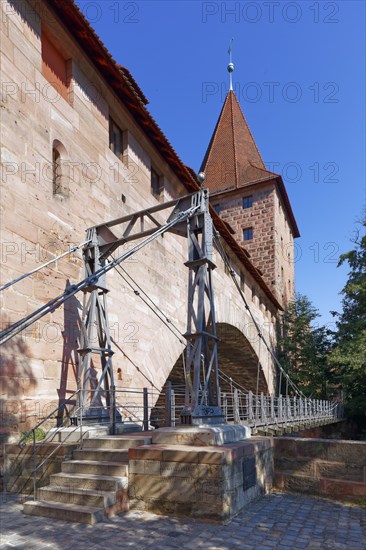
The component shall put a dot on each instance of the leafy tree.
(303, 348)
(349, 353)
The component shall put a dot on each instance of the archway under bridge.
(238, 368)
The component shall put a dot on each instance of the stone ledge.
(321, 486)
(224, 454)
(332, 450)
(201, 436)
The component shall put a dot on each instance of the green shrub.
(40, 435)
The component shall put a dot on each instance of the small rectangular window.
(217, 208)
(155, 183)
(115, 139)
(248, 201)
(248, 234)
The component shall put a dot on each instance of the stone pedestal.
(207, 473)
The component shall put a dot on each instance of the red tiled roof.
(136, 87)
(126, 88)
(232, 157)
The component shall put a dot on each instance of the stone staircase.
(91, 486)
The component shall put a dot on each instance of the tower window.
(217, 208)
(115, 139)
(248, 234)
(248, 201)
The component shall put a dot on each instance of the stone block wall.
(203, 482)
(284, 253)
(324, 467)
(272, 246)
(18, 465)
(260, 217)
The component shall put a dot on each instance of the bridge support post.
(202, 391)
(95, 388)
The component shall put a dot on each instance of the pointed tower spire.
(232, 158)
(230, 67)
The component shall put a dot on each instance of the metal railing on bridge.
(149, 409)
(266, 411)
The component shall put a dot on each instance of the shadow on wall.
(71, 342)
(16, 381)
(27, 13)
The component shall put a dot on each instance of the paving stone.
(276, 522)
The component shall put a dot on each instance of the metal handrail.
(46, 418)
(44, 442)
(56, 448)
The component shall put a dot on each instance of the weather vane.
(230, 67)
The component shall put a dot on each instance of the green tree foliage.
(348, 356)
(303, 348)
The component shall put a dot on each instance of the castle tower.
(252, 200)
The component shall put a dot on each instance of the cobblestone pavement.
(278, 521)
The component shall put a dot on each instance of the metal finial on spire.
(230, 67)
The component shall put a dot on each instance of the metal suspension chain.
(73, 249)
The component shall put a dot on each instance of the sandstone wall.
(260, 217)
(272, 247)
(324, 467)
(18, 466)
(284, 253)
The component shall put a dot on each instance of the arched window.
(60, 183)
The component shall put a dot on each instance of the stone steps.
(89, 481)
(65, 512)
(104, 455)
(116, 442)
(103, 468)
(91, 486)
(74, 495)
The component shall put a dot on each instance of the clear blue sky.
(300, 78)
